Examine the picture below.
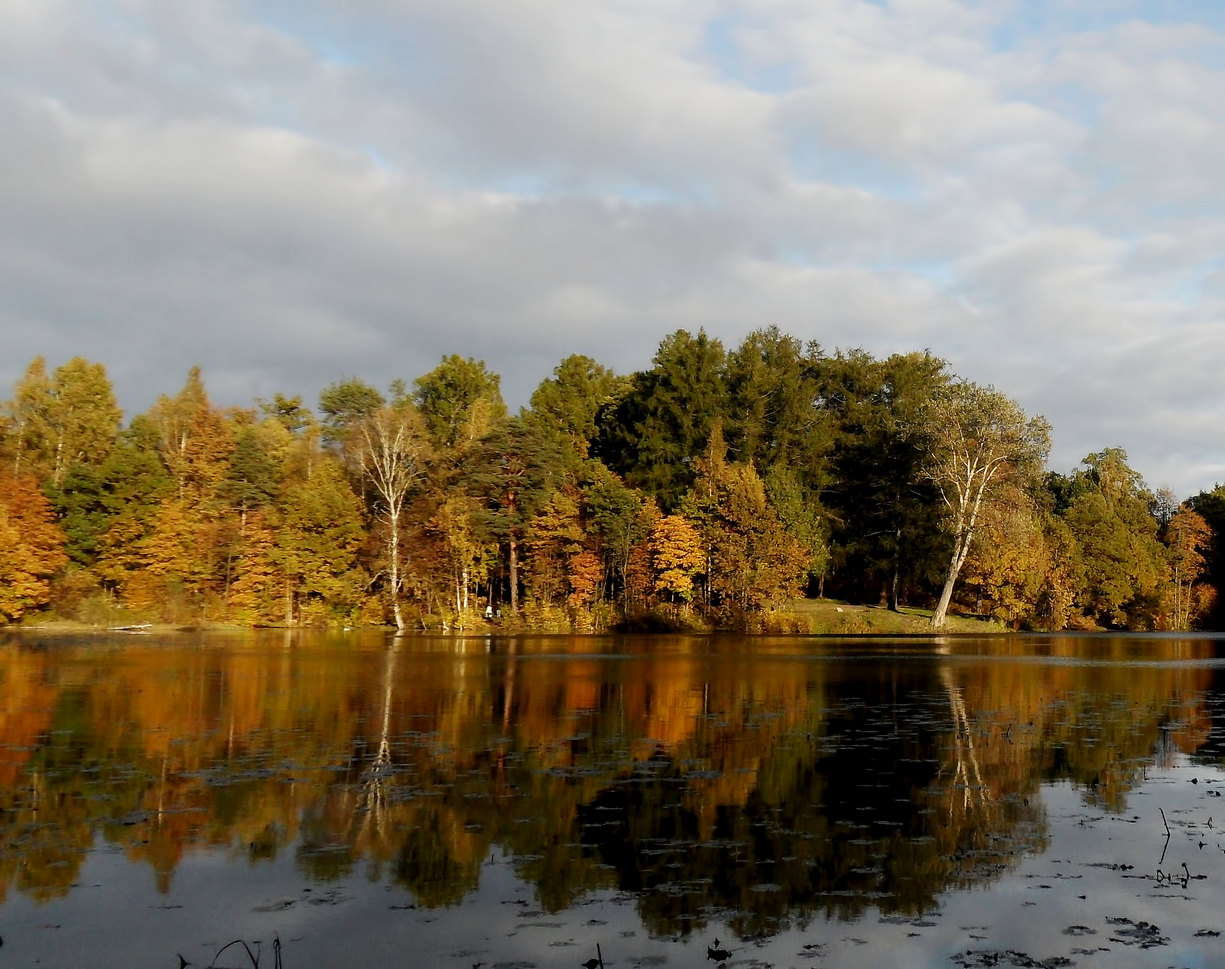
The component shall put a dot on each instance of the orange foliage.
(585, 572)
(31, 547)
(677, 556)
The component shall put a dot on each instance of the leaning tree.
(980, 439)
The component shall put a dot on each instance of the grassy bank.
(830, 617)
(815, 616)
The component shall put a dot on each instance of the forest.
(709, 491)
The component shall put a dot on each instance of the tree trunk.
(895, 603)
(514, 576)
(961, 548)
(946, 595)
(513, 558)
(394, 520)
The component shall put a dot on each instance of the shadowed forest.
(708, 491)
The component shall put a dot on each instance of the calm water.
(675, 801)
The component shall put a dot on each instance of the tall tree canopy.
(60, 420)
(980, 440)
(714, 480)
(883, 508)
(654, 432)
(447, 396)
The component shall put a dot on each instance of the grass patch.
(832, 617)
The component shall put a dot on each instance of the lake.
(324, 800)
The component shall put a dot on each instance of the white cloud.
(288, 195)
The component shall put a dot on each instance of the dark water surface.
(675, 801)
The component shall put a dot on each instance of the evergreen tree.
(447, 395)
(652, 435)
(772, 419)
(613, 516)
(883, 510)
(513, 470)
(344, 405)
(569, 401)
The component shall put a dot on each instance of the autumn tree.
(1188, 538)
(392, 451)
(1056, 607)
(60, 420)
(24, 413)
(980, 440)
(677, 557)
(1008, 562)
(448, 553)
(803, 519)
(253, 594)
(554, 537)
(187, 547)
(751, 560)
(31, 546)
(317, 529)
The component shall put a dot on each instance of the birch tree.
(392, 446)
(63, 419)
(981, 439)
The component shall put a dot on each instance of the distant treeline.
(712, 488)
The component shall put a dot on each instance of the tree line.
(712, 488)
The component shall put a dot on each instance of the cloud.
(287, 196)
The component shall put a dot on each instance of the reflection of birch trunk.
(967, 772)
(507, 704)
(510, 686)
(161, 791)
(373, 799)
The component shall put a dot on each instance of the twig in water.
(254, 957)
(1165, 847)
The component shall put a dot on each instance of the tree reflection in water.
(766, 782)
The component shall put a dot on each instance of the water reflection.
(767, 781)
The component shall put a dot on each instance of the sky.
(289, 193)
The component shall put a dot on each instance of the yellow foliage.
(31, 547)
